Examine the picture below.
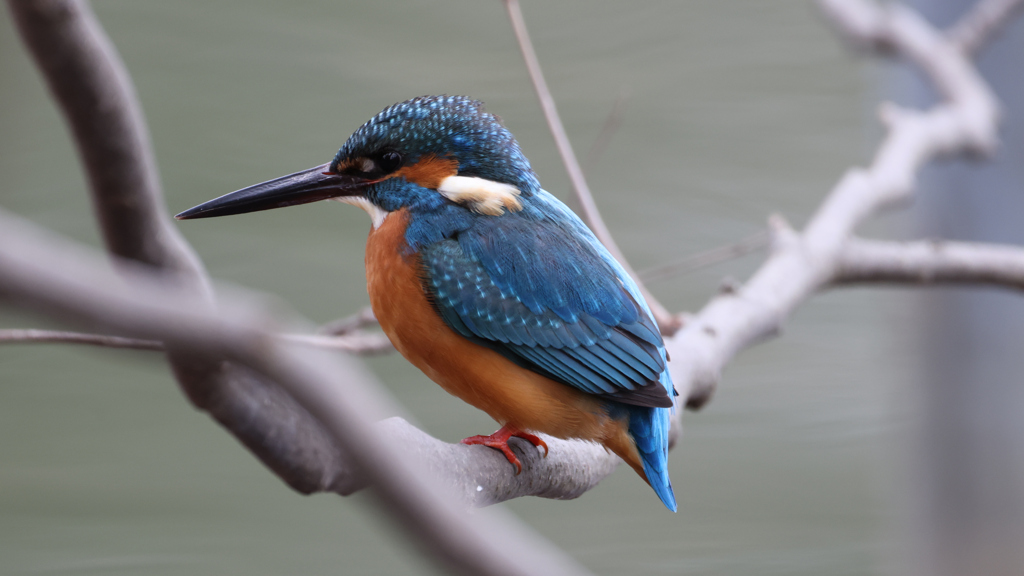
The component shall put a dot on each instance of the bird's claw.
(499, 441)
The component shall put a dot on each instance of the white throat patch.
(376, 214)
(481, 195)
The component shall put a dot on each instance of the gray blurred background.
(736, 110)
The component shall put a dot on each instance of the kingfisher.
(490, 285)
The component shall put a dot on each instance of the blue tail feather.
(649, 429)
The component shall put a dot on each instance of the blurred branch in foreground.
(89, 82)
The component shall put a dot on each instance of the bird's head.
(417, 154)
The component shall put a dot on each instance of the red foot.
(499, 441)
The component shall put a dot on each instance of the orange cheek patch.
(429, 171)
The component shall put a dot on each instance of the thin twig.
(742, 247)
(364, 344)
(32, 336)
(349, 324)
(667, 322)
(981, 23)
(608, 129)
(360, 344)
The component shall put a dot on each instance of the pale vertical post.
(966, 459)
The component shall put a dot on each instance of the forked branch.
(803, 263)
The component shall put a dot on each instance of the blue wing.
(540, 290)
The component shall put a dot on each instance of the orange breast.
(478, 375)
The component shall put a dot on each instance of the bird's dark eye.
(390, 161)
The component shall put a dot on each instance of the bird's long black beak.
(312, 185)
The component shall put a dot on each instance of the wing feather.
(568, 317)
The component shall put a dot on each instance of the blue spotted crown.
(446, 126)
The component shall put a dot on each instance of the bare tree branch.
(92, 87)
(803, 263)
(667, 322)
(95, 92)
(930, 262)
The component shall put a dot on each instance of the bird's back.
(536, 289)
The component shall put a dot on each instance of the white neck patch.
(376, 214)
(481, 195)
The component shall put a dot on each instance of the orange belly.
(482, 377)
